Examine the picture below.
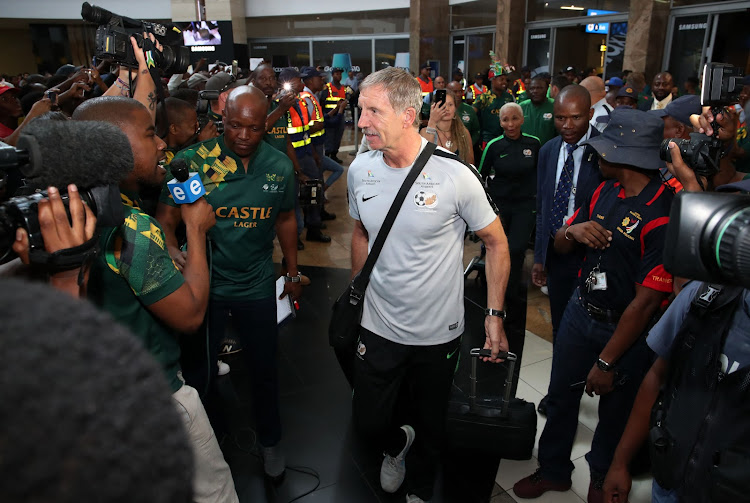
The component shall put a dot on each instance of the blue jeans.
(580, 340)
(661, 495)
(328, 164)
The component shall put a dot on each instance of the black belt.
(599, 313)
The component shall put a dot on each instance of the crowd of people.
(568, 165)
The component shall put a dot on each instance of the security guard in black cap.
(622, 283)
(334, 98)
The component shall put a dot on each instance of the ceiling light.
(571, 7)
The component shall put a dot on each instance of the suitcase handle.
(508, 357)
(503, 355)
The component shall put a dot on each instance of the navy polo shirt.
(635, 255)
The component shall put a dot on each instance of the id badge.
(600, 281)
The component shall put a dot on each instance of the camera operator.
(702, 356)
(58, 234)
(145, 87)
(136, 281)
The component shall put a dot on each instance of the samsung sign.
(602, 28)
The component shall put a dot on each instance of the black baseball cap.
(308, 72)
(633, 137)
(288, 74)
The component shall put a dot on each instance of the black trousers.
(518, 222)
(395, 384)
(562, 279)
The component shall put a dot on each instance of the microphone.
(57, 153)
(186, 187)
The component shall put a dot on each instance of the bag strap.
(363, 278)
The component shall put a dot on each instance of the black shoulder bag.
(343, 329)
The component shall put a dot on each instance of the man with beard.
(661, 93)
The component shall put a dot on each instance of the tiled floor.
(532, 386)
(316, 400)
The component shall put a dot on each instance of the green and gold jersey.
(246, 206)
(134, 271)
(276, 136)
(539, 120)
(488, 106)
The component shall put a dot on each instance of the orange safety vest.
(317, 110)
(298, 125)
(427, 87)
(334, 95)
(476, 92)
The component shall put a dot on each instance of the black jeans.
(395, 384)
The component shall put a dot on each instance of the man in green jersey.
(136, 281)
(251, 186)
(488, 106)
(538, 119)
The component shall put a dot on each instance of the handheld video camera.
(205, 114)
(113, 39)
(722, 84)
(708, 237)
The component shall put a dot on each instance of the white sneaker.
(544, 290)
(223, 368)
(393, 470)
(411, 498)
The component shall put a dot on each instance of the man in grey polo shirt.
(413, 313)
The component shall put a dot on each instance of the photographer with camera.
(691, 406)
(136, 281)
(139, 84)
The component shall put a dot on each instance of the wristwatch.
(494, 312)
(604, 366)
(293, 279)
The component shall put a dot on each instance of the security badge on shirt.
(597, 279)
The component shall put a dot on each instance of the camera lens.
(664, 153)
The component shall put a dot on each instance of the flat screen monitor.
(201, 33)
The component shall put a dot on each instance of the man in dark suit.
(566, 175)
(661, 93)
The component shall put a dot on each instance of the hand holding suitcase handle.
(486, 353)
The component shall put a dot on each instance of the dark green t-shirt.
(488, 106)
(276, 136)
(511, 167)
(134, 271)
(246, 207)
(471, 121)
(539, 120)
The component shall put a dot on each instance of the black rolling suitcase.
(494, 424)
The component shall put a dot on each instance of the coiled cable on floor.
(252, 449)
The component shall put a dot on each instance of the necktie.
(562, 194)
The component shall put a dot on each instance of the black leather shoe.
(316, 235)
(324, 215)
(300, 244)
(542, 407)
